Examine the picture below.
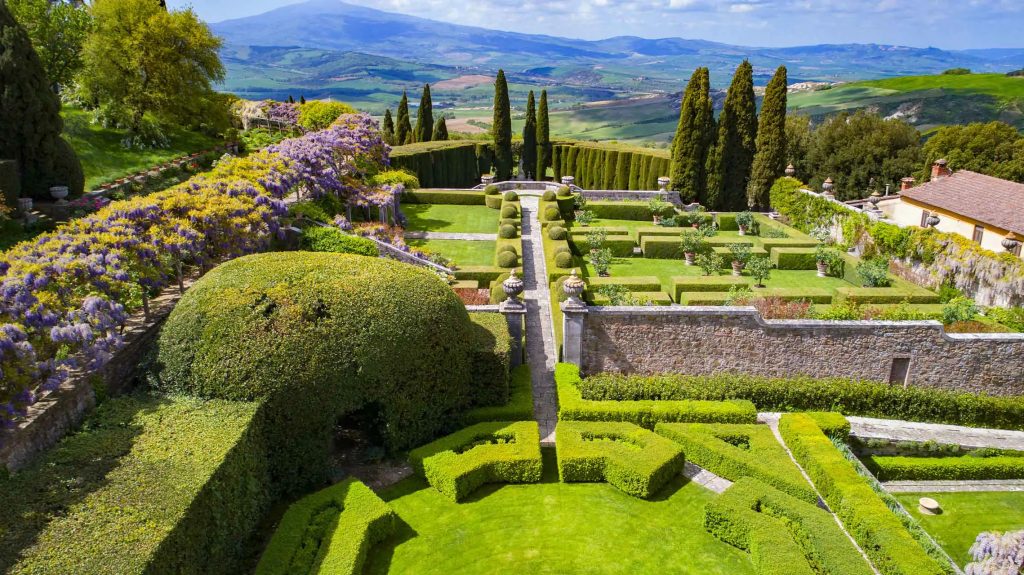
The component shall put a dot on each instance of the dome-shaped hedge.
(317, 336)
(556, 233)
(509, 211)
(549, 196)
(552, 213)
(507, 231)
(563, 260)
(507, 260)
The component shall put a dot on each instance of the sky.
(947, 24)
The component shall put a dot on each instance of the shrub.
(959, 309)
(317, 239)
(710, 263)
(407, 179)
(507, 260)
(745, 219)
(585, 217)
(548, 196)
(563, 249)
(564, 191)
(67, 169)
(1012, 318)
(784, 535)
(319, 335)
(509, 211)
(760, 269)
(740, 253)
(874, 273)
(318, 114)
(832, 259)
(330, 531)
(10, 184)
(960, 468)
(511, 196)
(519, 406)
(507, 231)
(492, 452)
(490, 358)
(629, 457)
(564, 260)
(773, 232)
(551, 214)
(492, 190)
(776, 307)
(601, 260)
(556, 233)
(508, 248)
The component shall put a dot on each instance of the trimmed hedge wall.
(490, 452)
(572, 406)
(453, 197)
(609, 166)
(958, 468)
(872, 399)
(491, 357)
(707, 283)
(520, 403)
(328, 532)
(717, 448)
(880, 533)
(147, 485)
(10, 183)
(794, 258)
(644, 297)
(444, 164)
(864, 295)
(621, 246)
(623, 210)
(634, 284)
(317, 239)
(629, 457)
(784, 535)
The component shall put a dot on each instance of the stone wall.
(710, 340)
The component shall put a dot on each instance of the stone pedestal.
(515, 313)
(573, 315)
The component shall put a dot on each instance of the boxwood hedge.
(317, 239)
(454, 197)
(958, 468)
(489, 452)
(625, 455)
(519, 406)
(444, 163)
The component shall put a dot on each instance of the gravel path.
(870, 428)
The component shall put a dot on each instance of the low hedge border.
(453, 197)
(726, 254)
(794, 258)
(704, 298)
(888, 295)
(661, 248)
(572, 406)
(484, 275)
(957, 468)
(489, 452)
(519, 406)
(715, 447)
(643, 297)
(659, 232)
(636, 460)
(636, 284)
(330, 531)
(609, 230)
(784, 535)
(621, 246)
(623, 210)
(880, 533)
(707, 283)
(786, 243)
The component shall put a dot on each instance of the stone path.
(953, 486)
(449, 236)
(870, 428)
(705, 478)
(540, 335)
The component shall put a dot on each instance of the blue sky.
(950, 24)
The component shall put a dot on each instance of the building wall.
(706, 341)
(908, 213)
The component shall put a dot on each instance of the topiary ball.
(564, 191)
(507, 231)
(507, 260)
(512, 221)
(551, 213)
(511, 196)
(562, 250)
(492, 190)
(508, 248)
(549, 196)
(556, 233)
(563, 260)
(509, 211)
(315, 336)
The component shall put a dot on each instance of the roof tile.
(993, 201)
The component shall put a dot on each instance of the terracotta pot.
(690, 257)
(822, 269)
(743, 230)
(737, 268)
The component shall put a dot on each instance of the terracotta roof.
(998, 203)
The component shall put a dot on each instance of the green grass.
(451, 218)
(553, 527)
(965, 515)
(104, 158)
(462, 252)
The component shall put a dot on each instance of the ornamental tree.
(543, 136)
(770, 159)
(403, 131)
(58, 30)
(694, 136)
(729, 168)
(440, 130)
(502, 129)
(424, 117)
(530, 139)
(389, 128)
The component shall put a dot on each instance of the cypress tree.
(291, 99)
(530, 139)
(30, 122)
(544, 152)
(389, 128)
(403, 130)
(684, 145)
(440, 130)
(770, 160)
(622, 171)
(424, 117)
(634, 172)
(729, 169)
(302, 99)
(502, 129)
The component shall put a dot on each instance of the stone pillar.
(574, 312)
(514, 311)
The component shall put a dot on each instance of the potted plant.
(828, 260)
(584, 217)
(602, 261)
(692, 243)
(657, 207)
(740, 257)
(760, 269)
(596, 239)
(745, 221)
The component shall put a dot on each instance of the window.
(924, 218)
(978, 233)
(900, 372)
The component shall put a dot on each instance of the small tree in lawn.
(760, 269)
(710, 263)
(740, 256)
(692, 243)
(596, 239)
(601, 260)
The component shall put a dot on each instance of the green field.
(462, 252)
(451, 218)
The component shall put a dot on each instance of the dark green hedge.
(317, 239)
(520, 402)
(868, 398)
(147, 485)
(455, 197)
(957, 468)
(623, 210)
(662, 248)
(621, 246)
(627, 456)
(794, 258)
(491, 349)
(330, 531)
(610, 166)
(10, 183)
(490, 452)
(444, 164)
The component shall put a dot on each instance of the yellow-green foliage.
(956, 468)
(319, 114)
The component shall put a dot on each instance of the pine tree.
(770, 160)
(440, 130)
(544, 158)
(693, 139)
(30, 117)
(502, 128)
(403, 129)
(729, 170)
(424, 117)
(530, 139)
(389, 128)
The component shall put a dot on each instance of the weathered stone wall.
(705, 341)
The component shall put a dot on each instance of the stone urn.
(513, 286)
(487, 179)
(573, 287)
(737, 268)
(822, 269)
(59, 192)
(663, 183)
(24, 205)
(743, 230)
(689, 258)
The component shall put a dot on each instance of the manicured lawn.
(104, 158)
(462, 252)
(450, 218)
(553, 528)
(965, 515)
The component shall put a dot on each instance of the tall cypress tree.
(403, 130)
(502, 129)
(544, 159)
(530, 139)
(424, 117)
(30, 122)
(389, 128)
(770, 160)
(688, 150)
(729, 168)
(440, 130)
